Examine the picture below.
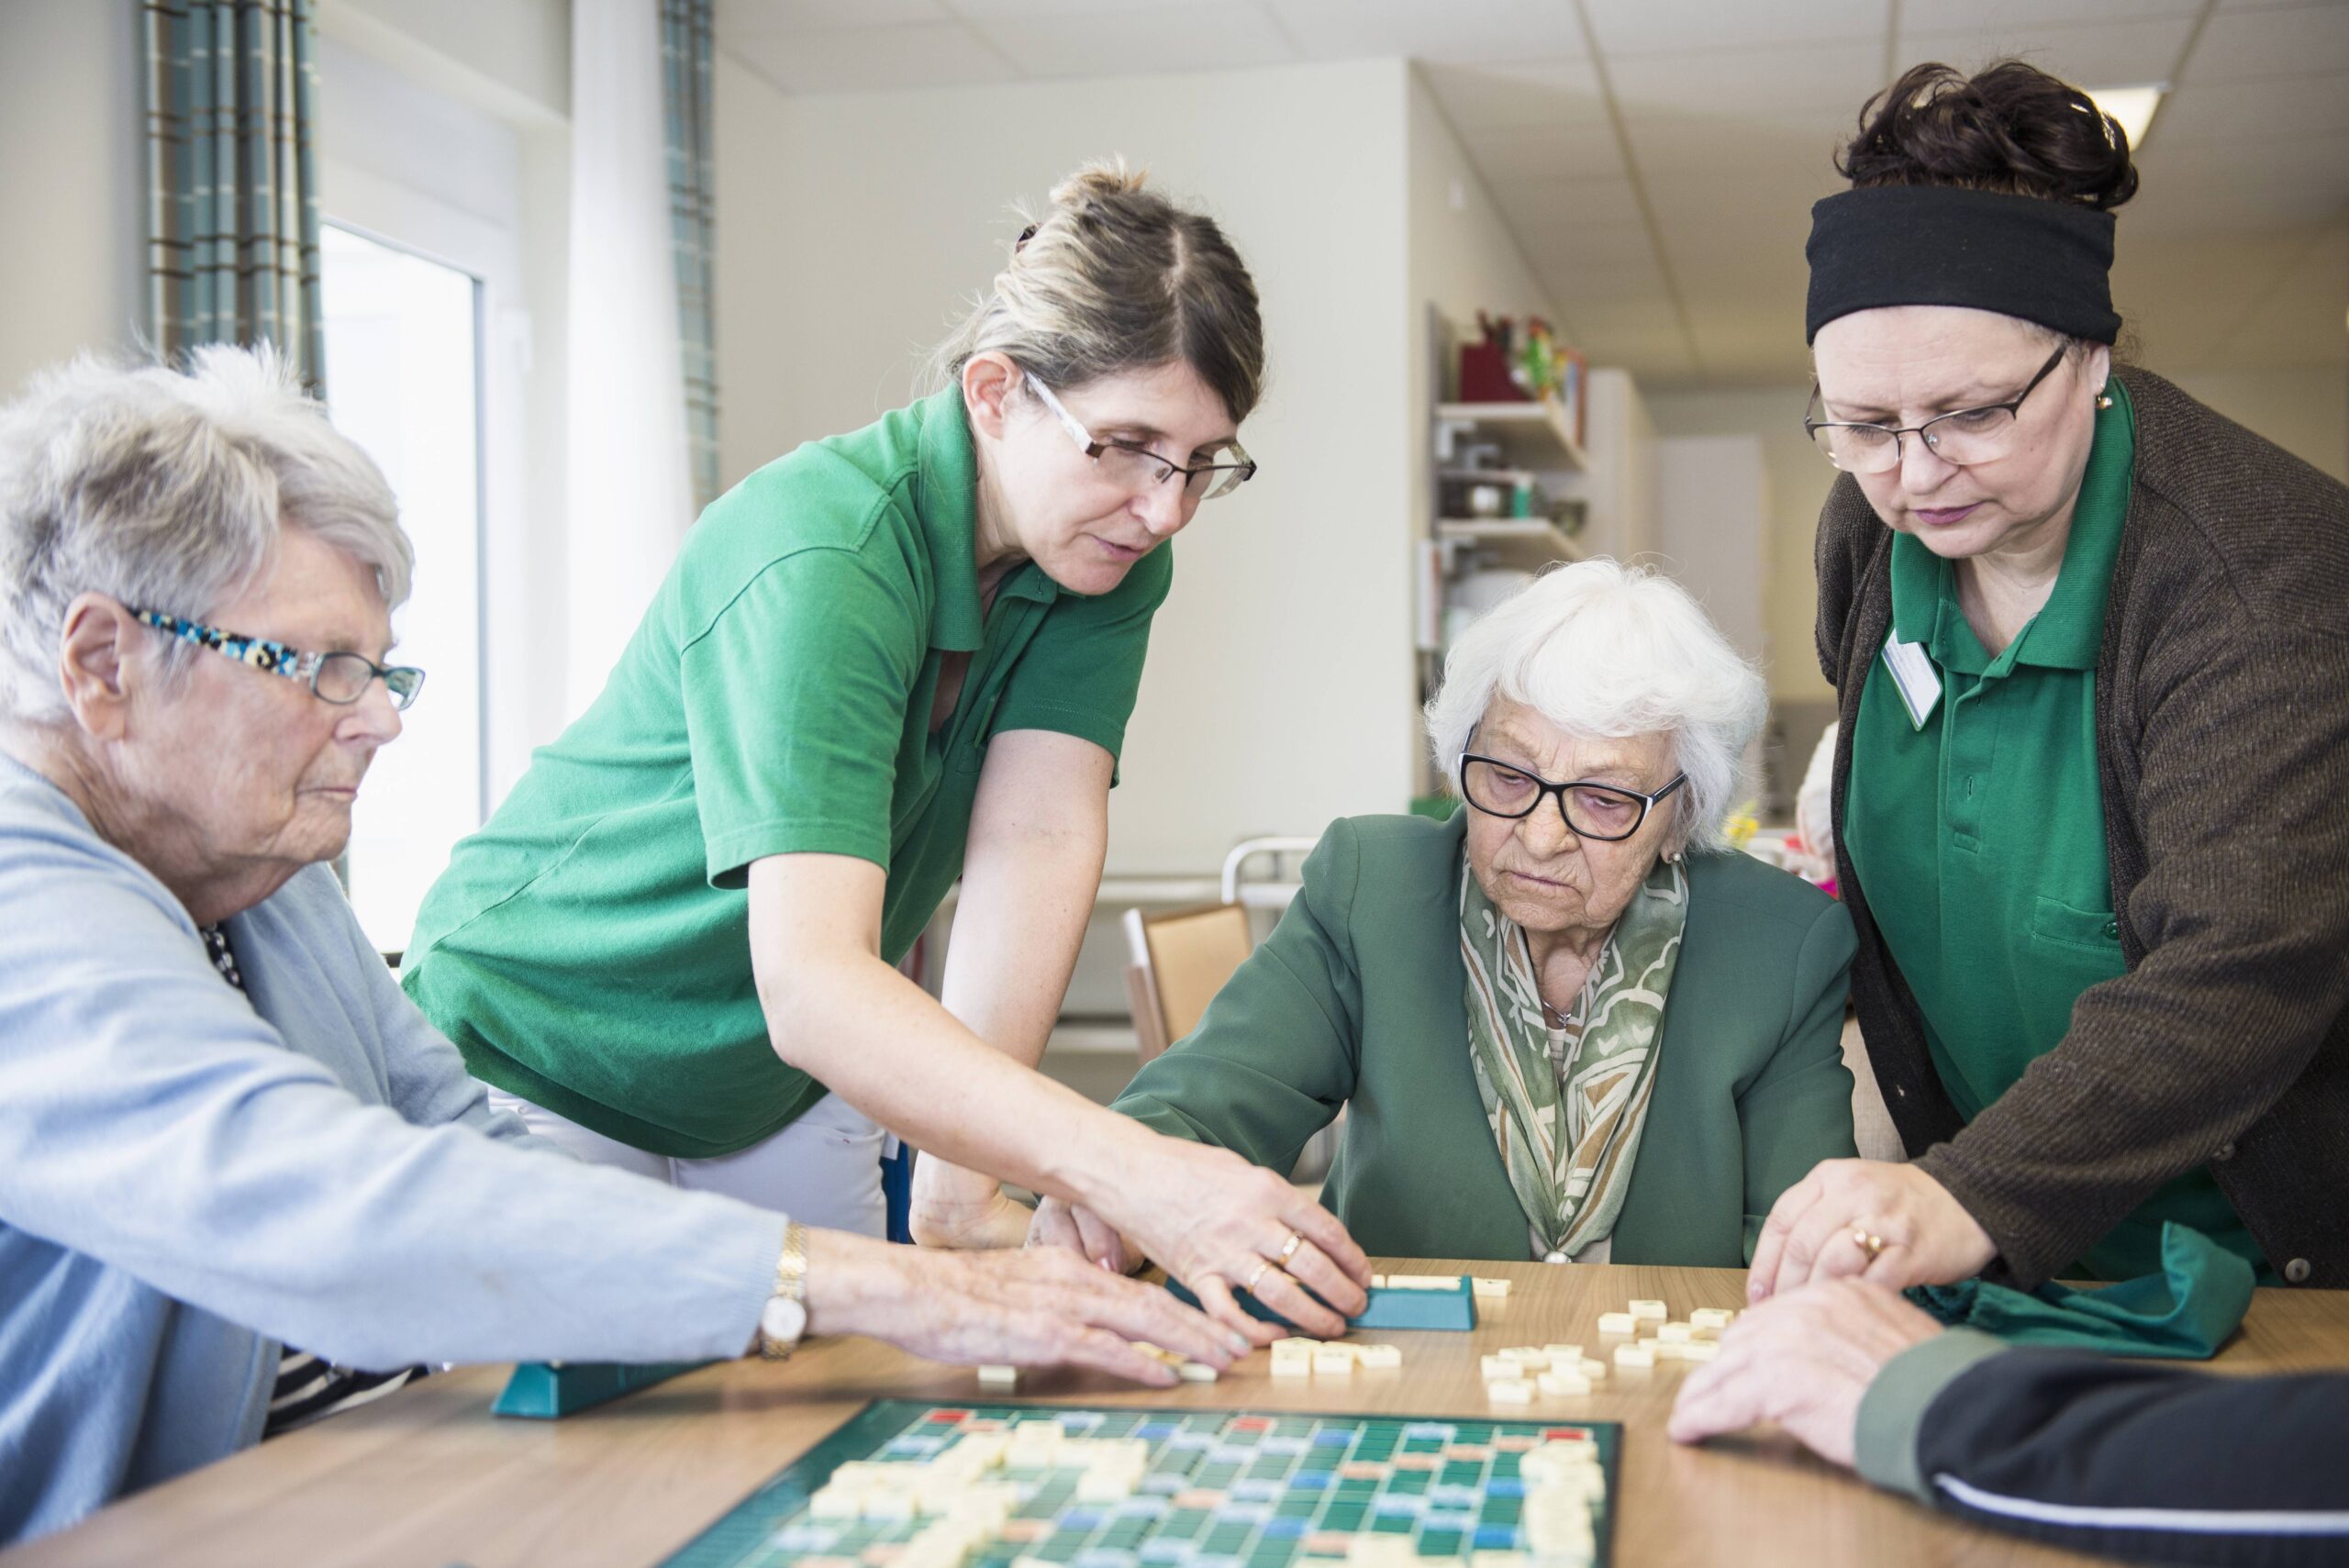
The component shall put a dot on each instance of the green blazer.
(1355, 1002)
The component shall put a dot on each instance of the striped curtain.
(685, 58)
(232, 184)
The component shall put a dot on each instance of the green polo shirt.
(588, 948)
(1978, 837)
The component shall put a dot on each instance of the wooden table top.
(429, 1477)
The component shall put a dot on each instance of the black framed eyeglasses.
(339, 678)
(1962, 437)
(1602, 811)
(1137, 469)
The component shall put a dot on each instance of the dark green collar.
(946, 498)
(2067, 632)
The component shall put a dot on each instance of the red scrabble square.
(1567, 1434)
(950, 1418)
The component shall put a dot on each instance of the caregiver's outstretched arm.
(836, 1011)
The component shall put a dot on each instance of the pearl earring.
(2102, 400)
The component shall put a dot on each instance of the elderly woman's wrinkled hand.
(1891, 1225)
(1042, 1307)
(1802, 1361)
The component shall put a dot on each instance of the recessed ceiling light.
(2133, 106)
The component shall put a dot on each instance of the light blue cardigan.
(189, 1177)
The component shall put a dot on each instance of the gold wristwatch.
(785, 1317)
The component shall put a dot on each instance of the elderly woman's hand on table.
(1802, 1361)
(1892, 1225)
(1045, 1307)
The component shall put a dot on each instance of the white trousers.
(823, 1169)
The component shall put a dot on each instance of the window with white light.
(404, 381)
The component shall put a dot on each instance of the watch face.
(783, 1320)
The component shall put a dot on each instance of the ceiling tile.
(1002, 10)
(2250, 111)
(734, 19)
(1563, 152)
(1139, 41)
(1559, 246)
(2216, 197)
(1657, 27)
(2250, 45)
(1758, 84)
(927, 55)
(1801, 153)
(2116, 55)
(1604, 284)
(1959, 15)
(1498, 97)
(2316, 166)
(1459, 31)
(1543, 205)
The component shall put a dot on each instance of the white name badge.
(1914, 675)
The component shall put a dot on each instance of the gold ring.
(1289, 1247)
(1261, 1264)
(1872, 1245)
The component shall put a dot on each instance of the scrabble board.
(1218, 1489)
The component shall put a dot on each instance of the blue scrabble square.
(1285, 1530)
(1505, 1487)
(1495, 1538)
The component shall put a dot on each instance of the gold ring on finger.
(1257, 1273)
(1289, 1247)
(1867, 1241)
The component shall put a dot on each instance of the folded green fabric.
(2186, 1312)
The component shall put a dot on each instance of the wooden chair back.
(1178, 961)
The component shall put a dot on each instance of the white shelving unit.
(1532, 435)
(1528, 543)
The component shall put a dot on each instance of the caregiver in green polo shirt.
(2088, 644)
(887, 660)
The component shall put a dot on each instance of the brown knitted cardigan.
(2222, 745)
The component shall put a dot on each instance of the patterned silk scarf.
(1569, 1131)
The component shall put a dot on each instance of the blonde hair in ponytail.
(1114, 277)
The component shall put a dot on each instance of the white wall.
(850, 227)
(73, 175)
(1713, 528)
(1796, 481)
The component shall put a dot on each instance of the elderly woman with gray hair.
(223, 1127)
(1567, 1023)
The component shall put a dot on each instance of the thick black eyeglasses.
(339, 678)
(1605, 812)
(1961, 437)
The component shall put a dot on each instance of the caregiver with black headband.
(2091, 645)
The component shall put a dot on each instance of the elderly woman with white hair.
(223, 1127)
(1568, 1023)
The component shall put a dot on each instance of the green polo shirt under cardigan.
(1989, 820)
(2221, 708)
(588, 948)
(1355, 1002)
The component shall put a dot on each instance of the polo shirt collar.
(2070, 628)
(947, 500)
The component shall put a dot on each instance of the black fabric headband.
(2047, 261)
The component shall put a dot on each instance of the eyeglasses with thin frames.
(1606, 812)
(1137, 469)
(1962, 437)
(339, 678)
